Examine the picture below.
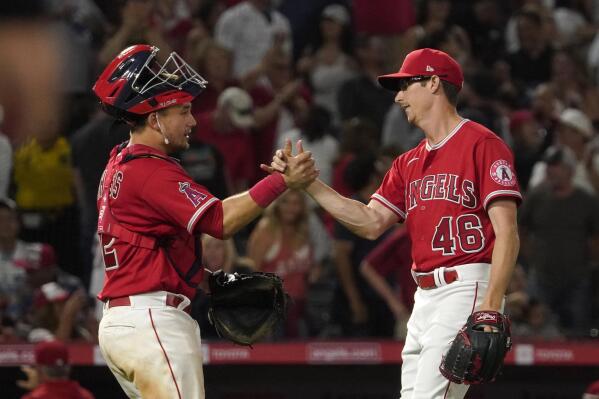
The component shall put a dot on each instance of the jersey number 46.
(465, 231)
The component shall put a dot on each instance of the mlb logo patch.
(191, 193)
(501, 173)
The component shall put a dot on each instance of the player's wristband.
(268, 189)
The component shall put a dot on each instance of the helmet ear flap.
(131, 119)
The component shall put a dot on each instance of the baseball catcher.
(245, 308)
(476, 355)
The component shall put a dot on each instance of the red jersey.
(392, 256)
(442, 193)
(292, 265)
(149, 208)
(235, 146)
(64, 389)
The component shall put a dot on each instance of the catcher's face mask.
(137, 83)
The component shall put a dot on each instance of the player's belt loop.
(436, 278)
(440, 273)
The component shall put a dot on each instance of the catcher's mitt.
(476, 356)
(245, 308)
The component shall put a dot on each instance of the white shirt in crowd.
(247, 32)
(324, 151)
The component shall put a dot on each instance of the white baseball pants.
(438, 315)
(153, 350)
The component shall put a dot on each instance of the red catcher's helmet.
(136, 83)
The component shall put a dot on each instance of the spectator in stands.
(434, 19)
(575, 131)
(559, 223)
(58, 304)
(214, 62)
(484, 21)
(228, 129)
(317, 138)
(15, 255)
(136, 25)
(527, 138)
(546, 107)
(388, 19)
(392, 260)
(362, 96)
(174, 17)
(572, 24)
(358, 136)
(328, 62)
(531, 64)
(357, 308)
(249, 29)
(206, 15)
(62, 315)
(49, 377)
(45, 195)
(75, 24)
(572, 85)
(281, 244)
(206, 166)
(540, 7)
(517, 298)
(538, 323)
(280, 99)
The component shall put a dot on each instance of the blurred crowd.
(296, 69)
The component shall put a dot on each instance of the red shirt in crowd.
(236, 147)
(392, 256)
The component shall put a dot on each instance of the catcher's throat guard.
(245, 308)
(476, 356)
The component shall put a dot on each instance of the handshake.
(299, 170)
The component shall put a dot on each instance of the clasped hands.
(298, 170)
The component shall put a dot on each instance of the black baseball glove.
(245, 308)
(476, 356)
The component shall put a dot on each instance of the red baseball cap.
(37, 257)
(425, 62)
(520, 117)
(51, 353)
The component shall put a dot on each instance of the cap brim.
(391, 81)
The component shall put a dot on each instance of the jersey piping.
(198, 213)
(498, 193)
(446, 139)
(389, 205)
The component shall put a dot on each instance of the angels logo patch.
(192, 194)
(501, 172)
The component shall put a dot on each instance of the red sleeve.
(211, 222)
(392, 192)
(175, 196)
(496, 173)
